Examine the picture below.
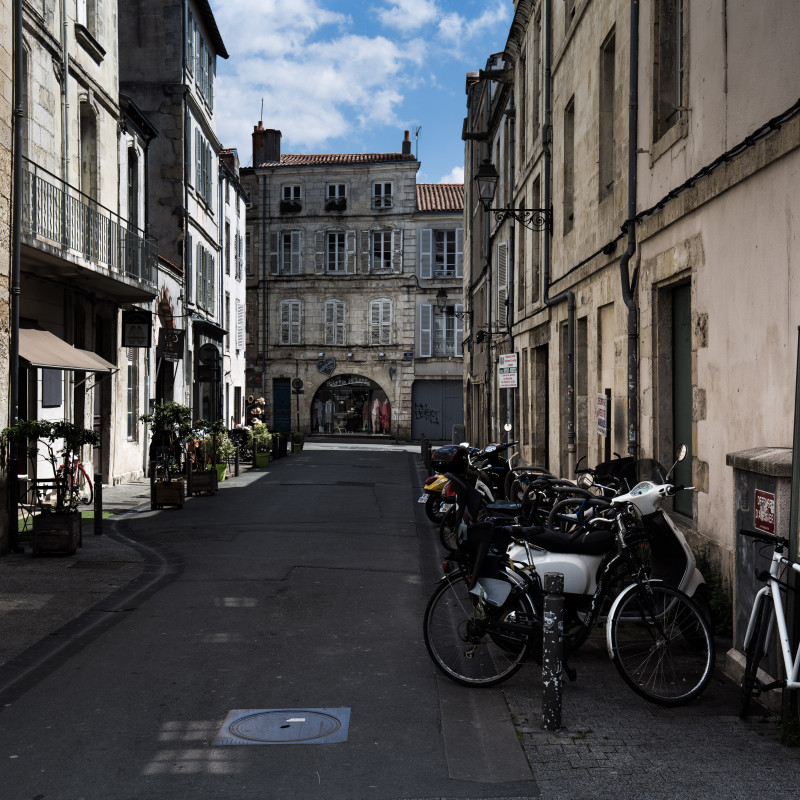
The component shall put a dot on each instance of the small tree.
(170, 423)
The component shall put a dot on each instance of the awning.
(44, 349)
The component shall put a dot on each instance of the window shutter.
(295, 252)
(397, 250)
(459, 252)
(240, 325)
(329, 322)
(386, 321)
(274, 260)
(340, 323)
(425, 330)
(211, 281)
(187, 267)
(200, 272)
(198, 162)
(366, 252)
(319, 255)
(426, 253)
(295, 322)
(285, 320)
(459, 329)
(502, 283)
(350, 251)
(374, 322)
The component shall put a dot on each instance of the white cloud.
(456, 175)
(408, 15)
(458, 30)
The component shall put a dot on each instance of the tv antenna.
(262, 110)
(416, 136)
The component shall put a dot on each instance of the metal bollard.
(98, 505)
(552, 650)
(236, 463)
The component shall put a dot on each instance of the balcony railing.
(58, 214)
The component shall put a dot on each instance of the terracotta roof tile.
(440, 196)
(290, 160)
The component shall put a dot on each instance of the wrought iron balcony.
(56, 215)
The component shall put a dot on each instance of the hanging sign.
(602, 414)
(136, 328)
(170, 344)
(508, 371)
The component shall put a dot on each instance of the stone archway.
(351, 404)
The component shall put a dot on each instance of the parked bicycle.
(75, 478)
(767, 618)
(485, 618)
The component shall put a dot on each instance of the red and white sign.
(764, 512)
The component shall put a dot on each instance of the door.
(281, 404)
(682, 391)
(435, 407)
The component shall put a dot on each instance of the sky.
(342, 76)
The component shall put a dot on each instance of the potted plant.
(215, 450)
(170, 424)
(261, 444)
(57, 529)
(297, 441)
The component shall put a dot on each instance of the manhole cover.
(284, 726)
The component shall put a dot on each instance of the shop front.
(351, 404)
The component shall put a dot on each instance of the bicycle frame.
(772, 589)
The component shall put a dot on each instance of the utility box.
(763, 487)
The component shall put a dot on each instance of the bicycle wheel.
(661, 644)
(448, 529)
(755, 652)
(461, 641)
(83, 486)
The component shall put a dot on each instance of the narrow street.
(302, 593)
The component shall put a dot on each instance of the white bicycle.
(766, 614)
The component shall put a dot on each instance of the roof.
(289, 160)
(204, 7)
(440, 196)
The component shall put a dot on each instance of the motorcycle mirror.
(507, 426)
(586, 480)
(680, 453)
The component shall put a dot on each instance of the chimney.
(407, 144)
(266, 145)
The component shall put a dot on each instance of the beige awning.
(44, 349)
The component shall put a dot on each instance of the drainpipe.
(510, 272)
(627, 293)
(65, 89)
(14, 299)
(567, 296)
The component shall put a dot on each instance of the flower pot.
(203, 481)
(222, 470)
(297, 447)
(56, 533)
(262, 459)
(168, 493)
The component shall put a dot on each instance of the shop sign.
(326, 365)
(347, 380)
(136, 328)
(508, 371)
(170, 344)
(602, 414)
(764, 512)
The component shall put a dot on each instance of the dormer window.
(382, 194)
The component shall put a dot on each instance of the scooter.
(670, 558)
(435, 505)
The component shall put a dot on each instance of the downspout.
(65, 90)
(627, 292)
(510, 273)
(264, 263)
(16, 243)
(567, 296)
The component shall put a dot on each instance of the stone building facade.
(340, 303)
(664, 272)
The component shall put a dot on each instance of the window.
(569, 166)
(291, 192)
(132, 395)
(336, 197)
(441, 253)
(206, 279)
(285, 255)
(228, 247)
(291, 198)
(668, 70)
(502, 284)
(290, 322)
(381, 251)
(440, 333)
(606, 121)
(226, 322)
(188, 268)
(382, 195)
(336, 254)
(334, 322)
(241, 324)
(204, 176)
(380, 321)
(239, 255)
(248, 255)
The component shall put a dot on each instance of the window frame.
(290, 318)
(335, 323)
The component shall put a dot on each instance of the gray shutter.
(188, 267)
(274, 255)
(459, 331)
(341, 323)
(284, 337)
(375, 322)
(295, 322)
(350, 265)
(425, 330)
(366, 251)
(295, 252)
(386, 322)
(210, 270)
(459, 252)
(319, 255)
(240, 323)
(426, 253)
(397, 250)
(502, 283)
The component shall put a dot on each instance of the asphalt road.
(297, 613)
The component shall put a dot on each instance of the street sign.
(764, 512)
(602, 414)
(508, 371)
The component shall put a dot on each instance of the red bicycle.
(76, 479)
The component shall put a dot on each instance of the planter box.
(56, 533)
(262, 459)
(204, 482)
(297, 447)
(168, 493)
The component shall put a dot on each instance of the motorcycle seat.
(595, 542)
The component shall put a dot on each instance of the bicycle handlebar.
(768, 538)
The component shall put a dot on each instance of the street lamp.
(535, 219)
(441, 304)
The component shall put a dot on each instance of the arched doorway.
(351, 404)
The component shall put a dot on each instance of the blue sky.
(338, 76)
